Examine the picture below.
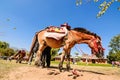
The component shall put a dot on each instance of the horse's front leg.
(20, 59)
(62, 60)
(68, 62)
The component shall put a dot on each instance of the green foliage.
(84, 64)
(114, 53)
(78, 2)
(4, 45)
(115, 44)
(76, 53)
(5, 50)
(95, 0)
(103, 6)
(54, 52)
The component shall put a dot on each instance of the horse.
(74, 36)
(19, 56)
(117, 63)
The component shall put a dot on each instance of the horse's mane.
(83, 30)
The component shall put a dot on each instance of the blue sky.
(30, 16)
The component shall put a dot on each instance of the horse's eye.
(98, 41)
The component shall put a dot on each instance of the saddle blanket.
(56, 35)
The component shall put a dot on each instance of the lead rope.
(78, 51)
(83, 68)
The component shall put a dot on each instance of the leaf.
(77, 2)
(14, 28)
(112, 0)
(118, 0)
(80, 2)
(102, 4)
(118, 8)
(96, 0)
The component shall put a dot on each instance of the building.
(84, 58)
(92, 59)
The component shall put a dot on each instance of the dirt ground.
(84, 72)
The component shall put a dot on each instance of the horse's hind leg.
(38, 61)
(38, 58)
(43, 58)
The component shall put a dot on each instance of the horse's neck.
(81, 37)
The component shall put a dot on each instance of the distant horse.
(20, 56)
(117, 63)
(74, 36)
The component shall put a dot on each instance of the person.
(46, 57)
(113, 63)
(66, 25)
(73, 60)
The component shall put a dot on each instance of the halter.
(94, 42)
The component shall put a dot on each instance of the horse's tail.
(34, 48)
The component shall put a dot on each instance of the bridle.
(95, 43)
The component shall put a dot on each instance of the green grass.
(84, 64)
(96, 64)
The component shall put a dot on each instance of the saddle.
(56, 29)
(56, 32)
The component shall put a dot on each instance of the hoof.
(68, 67)
(48, 66)
(60, 68)
(29, 63)
(37, 63)
(43, 64)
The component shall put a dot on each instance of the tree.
(76, 53)
(114, 53)
(77, 58)
(5, 50)
(54, 52)
(103, 6)
(4, 45)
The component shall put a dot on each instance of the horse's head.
(96, 47)
(93, 40)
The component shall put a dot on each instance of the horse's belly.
(54, 43)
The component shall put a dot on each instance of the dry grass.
(13, 71)
(6, 66)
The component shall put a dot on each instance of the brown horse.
(74, 36)
(20, 56)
